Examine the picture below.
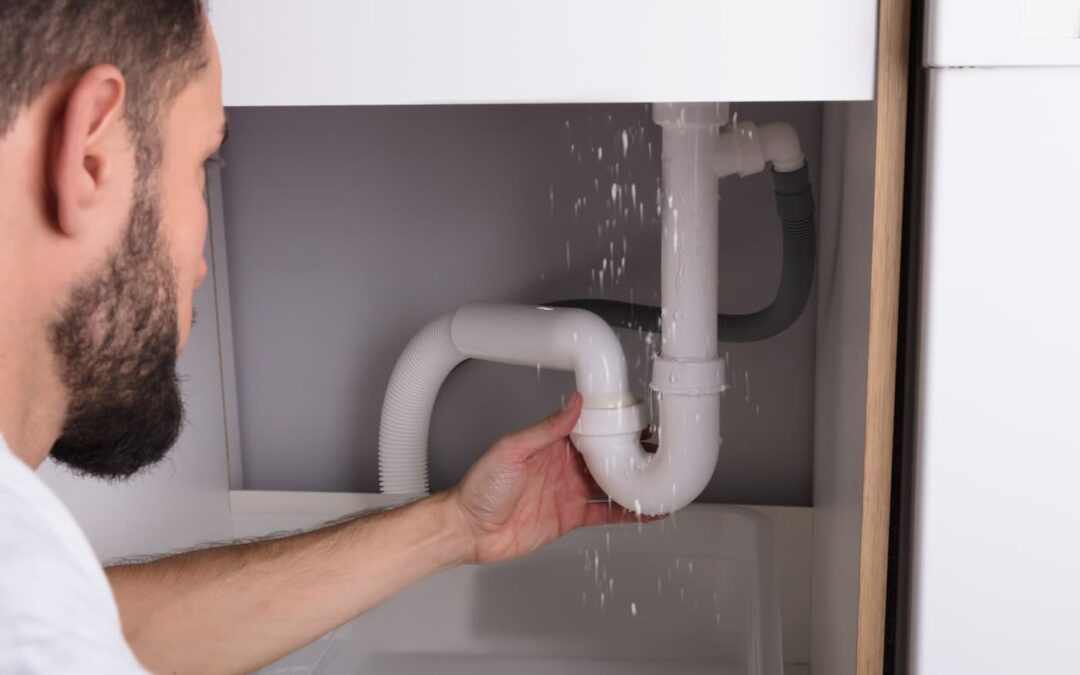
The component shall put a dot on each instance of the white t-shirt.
(57, 611)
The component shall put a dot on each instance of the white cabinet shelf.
(363, 52)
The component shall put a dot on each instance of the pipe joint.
(692, 377)
(739, 151)
(746, 149)
(631, 419)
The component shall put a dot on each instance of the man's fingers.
(548, 430)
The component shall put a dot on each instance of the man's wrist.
(456, 542)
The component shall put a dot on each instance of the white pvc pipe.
(746, 149)
(609, 433)
(690, 247)
(560, 339)
(780, 146)
(679, 471)
(687, 374)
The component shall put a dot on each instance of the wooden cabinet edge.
(894, 26)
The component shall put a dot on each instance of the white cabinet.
(1002, 33)
(997, 547)
(373, 52)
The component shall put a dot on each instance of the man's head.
(108, 111)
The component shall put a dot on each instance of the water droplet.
(625, 142)
(633, 609)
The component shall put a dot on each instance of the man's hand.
(531, 488)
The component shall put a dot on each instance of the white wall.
(349, 228)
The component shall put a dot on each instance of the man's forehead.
(198, 106)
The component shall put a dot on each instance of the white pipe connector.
(746, 149)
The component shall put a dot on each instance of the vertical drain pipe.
(688, 374)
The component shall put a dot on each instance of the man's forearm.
(234, 608)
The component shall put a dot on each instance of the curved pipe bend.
(608, 435)
(746, 148)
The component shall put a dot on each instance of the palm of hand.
(530, 489)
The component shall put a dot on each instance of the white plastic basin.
(693, 594)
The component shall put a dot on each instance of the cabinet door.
(1003, 32)
(997, 522)
(349, 52)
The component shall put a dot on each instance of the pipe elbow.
(596, 357)
(746, 149)
(653, 484)
(780, 146)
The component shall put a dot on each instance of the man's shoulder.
(43, 553)
(55, 602)
(32, 516)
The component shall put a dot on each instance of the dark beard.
(116, 346)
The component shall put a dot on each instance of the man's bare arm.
(235, 608)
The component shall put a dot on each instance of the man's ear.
(85, 145)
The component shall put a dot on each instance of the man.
(108, 111)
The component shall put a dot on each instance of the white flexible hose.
(410, 398)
